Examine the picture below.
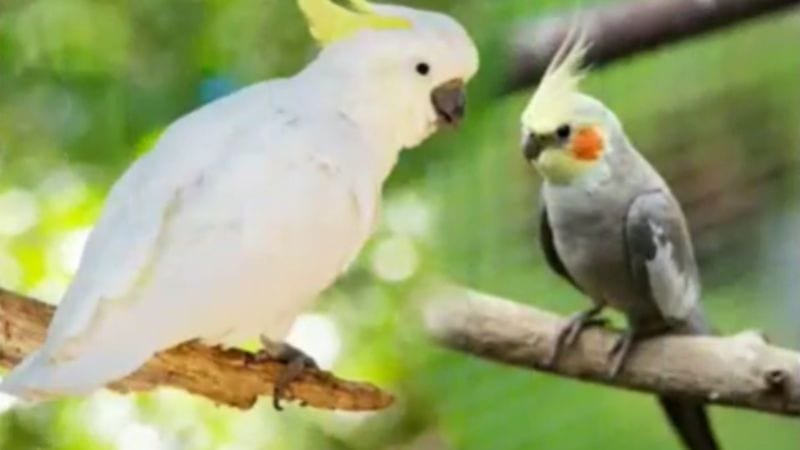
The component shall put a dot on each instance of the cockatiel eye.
(563, 132)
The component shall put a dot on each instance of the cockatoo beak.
(450, 101)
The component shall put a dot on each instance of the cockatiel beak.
(533, 145)
(450, 102)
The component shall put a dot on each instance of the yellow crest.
(330, 22)
(553, 98)
(361, 5)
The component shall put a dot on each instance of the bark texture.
(741, 370)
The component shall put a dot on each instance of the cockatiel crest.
(329, 22)
(566, 132)
(555, 98)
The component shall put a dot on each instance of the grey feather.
(661, 259)
(623, 241)
(549, 247)
(690, 421)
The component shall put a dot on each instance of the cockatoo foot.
(296, 363)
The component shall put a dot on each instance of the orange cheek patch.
(587, 145)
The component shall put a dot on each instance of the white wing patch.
(674, 291)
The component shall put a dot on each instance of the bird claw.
(575, 331)
(296, 362)
(619, 352)
(569, 334)
(295, 366)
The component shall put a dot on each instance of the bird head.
(410, 66)
(568, 135)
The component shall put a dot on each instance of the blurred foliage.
(86, 86)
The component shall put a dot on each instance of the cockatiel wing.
(662, 264)
(549, 247)
(660, 255)
(139, 208)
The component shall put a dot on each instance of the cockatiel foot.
(576, 324)
(623, 347)
(620, 351)
(296, 363)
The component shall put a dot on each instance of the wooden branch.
(741, 370)
(625, 28)
(227, 377)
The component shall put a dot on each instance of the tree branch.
(741, 370)
(625, 28)
(228, 377)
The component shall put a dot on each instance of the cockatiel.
(610, 225)
(246, 209)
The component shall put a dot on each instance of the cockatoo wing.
(125, 240)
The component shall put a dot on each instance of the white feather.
(244, 211)
(197, 243)
(675, 292)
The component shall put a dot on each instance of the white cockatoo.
(250, 206)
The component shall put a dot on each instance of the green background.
(86, 87)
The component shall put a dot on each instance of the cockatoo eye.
(423, 68)
(563, 132)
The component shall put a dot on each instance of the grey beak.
(532, 146)
(450, 101)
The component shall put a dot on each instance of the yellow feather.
(551, 103)
(330, 22)
(561, 168)
(361, 5)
